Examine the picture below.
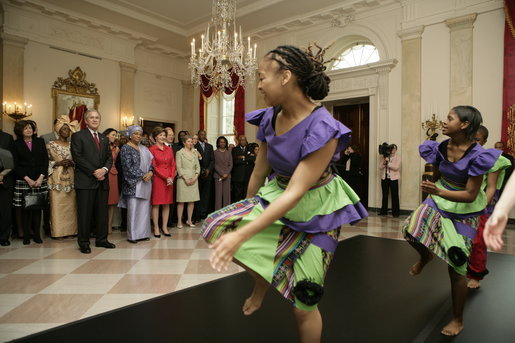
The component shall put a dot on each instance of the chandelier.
(222, 52)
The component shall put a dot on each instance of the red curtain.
(508, 118)
(239, 103)
(77, 113)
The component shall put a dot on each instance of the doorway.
(355, 115)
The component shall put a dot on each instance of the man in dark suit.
(6, 192)
(240, 175)
(93, 159)
(207, 164)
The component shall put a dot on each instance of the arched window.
(358, 54)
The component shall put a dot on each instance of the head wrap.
(132, 129)
(65, 120)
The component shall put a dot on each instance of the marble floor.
(49, 284)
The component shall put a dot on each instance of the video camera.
(385, 149)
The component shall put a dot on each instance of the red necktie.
(96, 140)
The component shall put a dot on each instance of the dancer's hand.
(429, 187)
(494, 228)
(224, 249)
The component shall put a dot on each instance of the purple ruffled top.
(477, 161)
(311, 134)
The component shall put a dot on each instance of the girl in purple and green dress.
(285, 233)
(445, 223)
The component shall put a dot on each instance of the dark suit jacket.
(88, 158)
(208, 158)
(240, 167)
(30, 163)
(7, 143)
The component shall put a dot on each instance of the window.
(359, 54)
(220, 117)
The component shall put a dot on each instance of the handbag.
(36, 201)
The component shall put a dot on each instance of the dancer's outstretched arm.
(496, 224)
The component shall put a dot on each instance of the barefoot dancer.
(446, 222)
(285, 233)
(492, 183)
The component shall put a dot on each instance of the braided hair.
(307, 66)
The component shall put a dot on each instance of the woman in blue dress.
(285, 232)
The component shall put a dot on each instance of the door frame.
(371, 81)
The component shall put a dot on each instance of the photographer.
(390, 165)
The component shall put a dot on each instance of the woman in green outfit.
(285, 233)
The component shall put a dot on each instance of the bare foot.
(453, 328)
(473, 283)
(251, 305)
(417, 267)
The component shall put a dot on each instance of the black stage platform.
(369, 298)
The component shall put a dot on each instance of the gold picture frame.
(73, 91)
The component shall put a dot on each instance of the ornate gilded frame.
(73, 90)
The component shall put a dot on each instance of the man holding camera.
(390, 165)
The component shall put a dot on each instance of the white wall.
(488, 71)
(42, 67)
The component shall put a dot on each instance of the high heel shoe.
(190, 224)
(179, 226)
(157, 235)
(167, 234)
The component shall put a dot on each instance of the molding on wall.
(411, 33)
(460, 23)
(66, 35)
(415, 14)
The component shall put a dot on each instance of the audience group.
(74, 181)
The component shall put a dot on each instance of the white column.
(461, 59)
(411, 115)
(12, 64)
(127, 85)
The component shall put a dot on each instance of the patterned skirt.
(289, 260)
(22, 187)
(428, 227)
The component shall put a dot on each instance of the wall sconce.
(17, 112)
(127, 121)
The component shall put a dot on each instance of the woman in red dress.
(114, 194)
(162, 183)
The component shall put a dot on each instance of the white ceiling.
(169, 25)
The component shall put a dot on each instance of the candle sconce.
(431, 126)
(127, 121)
(16, 111)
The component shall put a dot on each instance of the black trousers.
(6, 217)
(92, 205)
(31, 220)
(386, 186)
(205, 203)
(238, 191)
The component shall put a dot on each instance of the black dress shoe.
(26, 241)
(85, 250)
(38, 240)
(131, 241)
(107, 245)
(5, 243)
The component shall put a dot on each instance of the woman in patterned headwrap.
(63, 203)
